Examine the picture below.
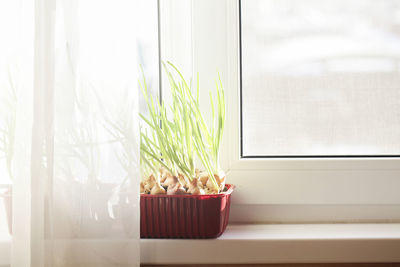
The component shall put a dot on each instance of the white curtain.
(69, 74)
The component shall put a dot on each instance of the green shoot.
(182, 134)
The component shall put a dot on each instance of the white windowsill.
(282, 243)
(273, 243)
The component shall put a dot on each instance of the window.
(294, 189)
(320, 78)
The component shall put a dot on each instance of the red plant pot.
(184, 216)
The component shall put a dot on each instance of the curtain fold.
(73, 69)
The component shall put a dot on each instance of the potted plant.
(183, 190)
(7, 138)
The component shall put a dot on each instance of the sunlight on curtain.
(93, 213)
(16, 104)
(69, 132)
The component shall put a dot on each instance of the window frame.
(354, 183)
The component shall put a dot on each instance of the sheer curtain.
(72, 66)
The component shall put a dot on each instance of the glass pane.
(320, 77)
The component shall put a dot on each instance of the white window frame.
(352, 189)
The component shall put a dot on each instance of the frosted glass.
(320, 77)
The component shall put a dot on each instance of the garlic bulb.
(157, 190)
(176, 189)
(196, 188)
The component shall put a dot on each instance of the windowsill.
(273, 243)
(281, 243)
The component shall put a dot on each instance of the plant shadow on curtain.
(93, 217)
